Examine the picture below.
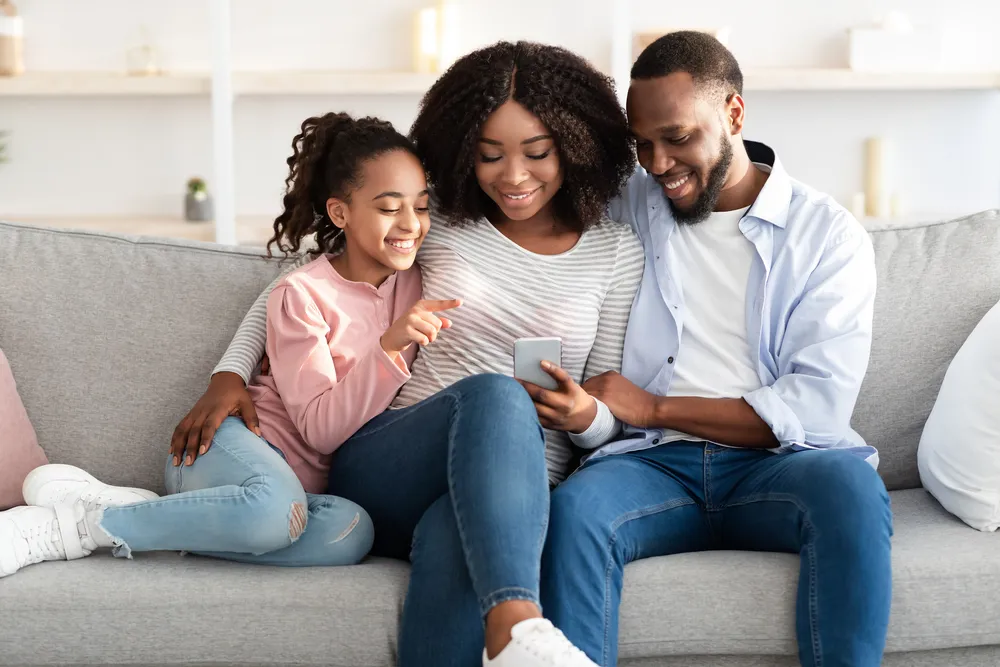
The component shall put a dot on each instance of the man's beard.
(705, 204)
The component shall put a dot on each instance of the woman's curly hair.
(326, 160)
(570, 97)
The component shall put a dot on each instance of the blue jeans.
(236, 502)
(471, 457)
(829, 507)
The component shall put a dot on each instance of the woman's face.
(386, 219)
(518, 165)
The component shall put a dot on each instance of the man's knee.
(847, 492)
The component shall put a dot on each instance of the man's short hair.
(699, 54)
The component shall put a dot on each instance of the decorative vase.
(198, 206)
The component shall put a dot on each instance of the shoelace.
(551, 645)
(43, 542)
(92, 501)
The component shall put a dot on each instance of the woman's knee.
(495, 390)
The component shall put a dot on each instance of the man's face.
(683, 138)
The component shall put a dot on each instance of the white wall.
(131, 156)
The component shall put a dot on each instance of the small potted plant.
(197, 202)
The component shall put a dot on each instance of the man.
(746, 348)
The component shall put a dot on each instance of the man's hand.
(569, 408)
(626, 401)
(226, 395)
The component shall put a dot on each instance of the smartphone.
(529, 353)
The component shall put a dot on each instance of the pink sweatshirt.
(329, 374)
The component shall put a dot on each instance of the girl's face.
(518, 165)
(387, 217)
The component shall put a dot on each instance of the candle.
(874, 177)
(425, 41)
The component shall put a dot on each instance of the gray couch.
(112, 338)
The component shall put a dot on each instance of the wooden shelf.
(250, 230)
(64, 84)
(54, 84)
(849, 80)
(331, 83)
(71, 84)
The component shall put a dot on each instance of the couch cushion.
(19, 450)
(168, 609)
(112, 339)
(190, 609)
(935, 282)
(959, 456)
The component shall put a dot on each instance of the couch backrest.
(935, 282)
(112, 339)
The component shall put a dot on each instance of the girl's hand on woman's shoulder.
(568, 408)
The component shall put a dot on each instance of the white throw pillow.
(959, 455)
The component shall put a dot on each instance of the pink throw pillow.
(19, 450)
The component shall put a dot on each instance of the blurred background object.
(101, 149)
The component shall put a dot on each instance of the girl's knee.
(279, 517)
(341, 530)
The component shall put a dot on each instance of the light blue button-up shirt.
(808, 312)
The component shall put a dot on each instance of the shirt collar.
(775, 197)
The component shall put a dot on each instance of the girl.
(336, 362)
(524, 145)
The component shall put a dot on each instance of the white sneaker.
(538, 643)
(57, 484)
(30, 535)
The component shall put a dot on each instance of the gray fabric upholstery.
(935, 282)
(729, 605)
(111, 340)
(979, 656)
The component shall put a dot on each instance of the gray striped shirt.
(582, 296)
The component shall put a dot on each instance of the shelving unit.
(224, 86)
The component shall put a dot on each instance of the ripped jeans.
(240, 501)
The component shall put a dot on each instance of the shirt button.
(670, 360)
(656, 441)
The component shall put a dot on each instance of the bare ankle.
(502, 618)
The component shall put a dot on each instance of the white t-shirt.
(713, 360)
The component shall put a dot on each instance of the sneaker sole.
(34, 485)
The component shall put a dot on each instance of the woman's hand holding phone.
(417, 325)
(568, 408)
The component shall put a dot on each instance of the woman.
(524, 146)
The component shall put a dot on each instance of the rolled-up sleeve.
(824, 354)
